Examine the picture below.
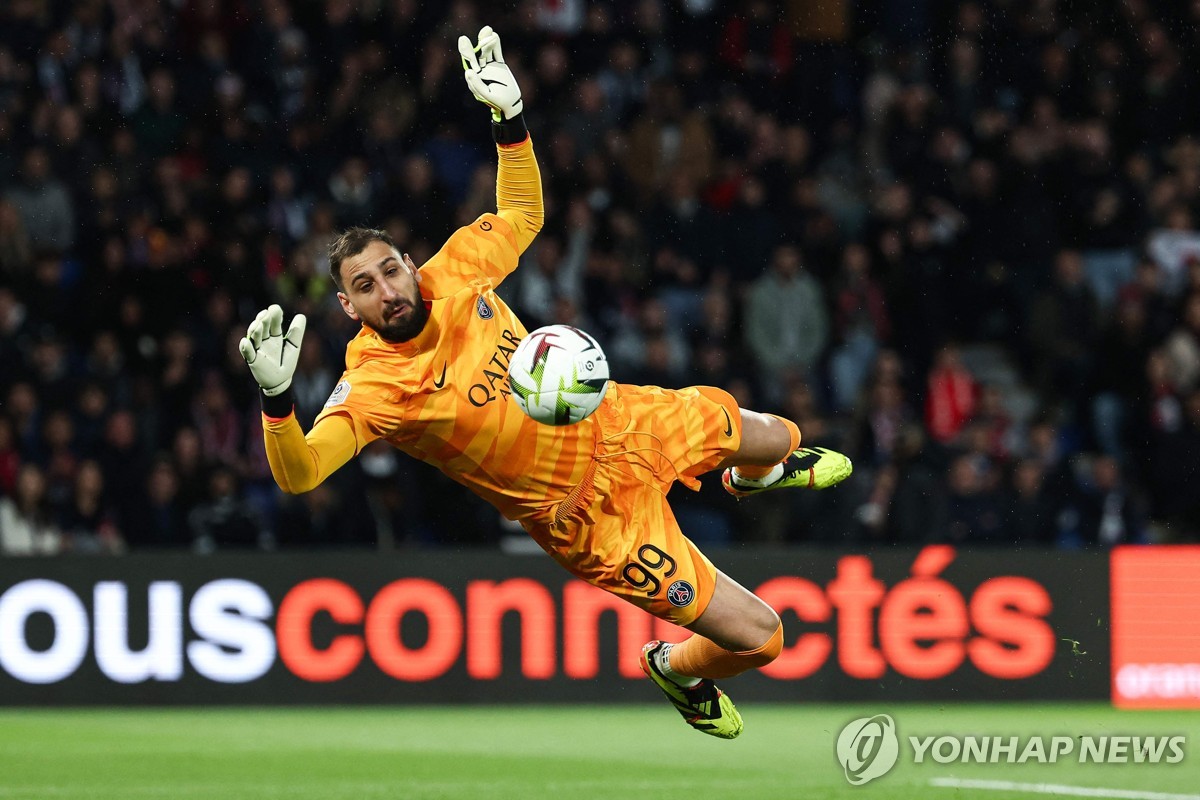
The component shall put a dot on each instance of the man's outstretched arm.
(518, 180)
(298, 462)
(519, 190)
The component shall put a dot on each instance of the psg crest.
(484, 310)
(680, 593)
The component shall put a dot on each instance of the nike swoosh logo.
(728, 423)
(487, 82)
(440, 382)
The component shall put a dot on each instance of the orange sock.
(697, 657)
(755, 473)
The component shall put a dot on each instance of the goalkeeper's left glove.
(488, 77)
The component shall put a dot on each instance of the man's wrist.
(510, 131)
(279, 406)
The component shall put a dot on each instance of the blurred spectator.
(652, 351)
(158, 123)
(1175, 246)
(88, 524)
(177, 383)
(16, 250)
(883, 414)
(160, 520)
(994, 425)
(225, 520)
(311, 520)
(918, 509)
(975, 512)
(952, 395)
(287, 212)
(620, 78)
(860, 325)
(1033, 511)
(13, 333)
(26, 527)
(121, 458)
(552, 270)
(1048, 445)
(10, 459)
(668, 141)
(1109, 513)
(1182, 346)
(58, 459)
(188, 462)
(90, 412)
(353, 195)
(1125, 342)
(44, 205)
(1063, 329)
(22, 408)
(756, 45)
(1175, 462)
(1147, 288)
(217, 422)
(785, 321)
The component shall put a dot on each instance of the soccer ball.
(558, 375)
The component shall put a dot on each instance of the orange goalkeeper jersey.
(443, 396)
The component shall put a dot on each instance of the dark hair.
(352, 242)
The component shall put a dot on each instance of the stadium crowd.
(956, 239)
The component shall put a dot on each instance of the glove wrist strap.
(279, 406)
(511, 131)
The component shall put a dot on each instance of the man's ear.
(412, 267)
(349, 309)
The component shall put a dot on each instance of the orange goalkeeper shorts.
(616, 530)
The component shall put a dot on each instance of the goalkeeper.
(427, 371)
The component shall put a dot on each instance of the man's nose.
(387, 291)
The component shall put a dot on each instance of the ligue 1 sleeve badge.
(680, 593)
(340, 393)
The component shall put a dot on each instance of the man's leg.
(766, 441)
(736, 632)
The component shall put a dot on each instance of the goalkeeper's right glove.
(488, 77)
(270, 354)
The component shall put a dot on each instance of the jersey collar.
(368, 342)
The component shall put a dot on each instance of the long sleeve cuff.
(280, 406)
(511, 131)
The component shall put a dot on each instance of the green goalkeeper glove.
(488, 77)
(270, 354)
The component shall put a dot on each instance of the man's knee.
(754, 629)
(793, 432)
(768, 651)
(766, 439)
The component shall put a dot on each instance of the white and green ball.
(558, 375)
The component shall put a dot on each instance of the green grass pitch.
(534, 752)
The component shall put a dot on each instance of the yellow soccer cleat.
(806, 468)
(703, 706)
